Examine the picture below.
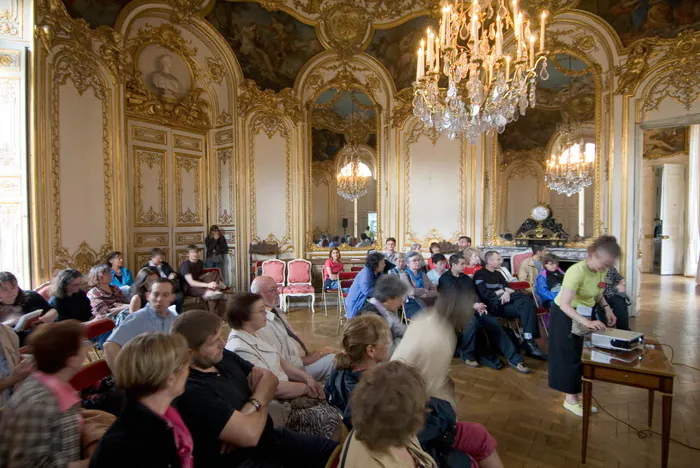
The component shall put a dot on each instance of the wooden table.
(649, 369)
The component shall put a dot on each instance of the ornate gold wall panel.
(188, 212)
(151, 239)
(149, 135)
(188, 143)
(156, 161)
(225, 183)
(222, 137)
(186, 238)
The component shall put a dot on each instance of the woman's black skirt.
(565, 368)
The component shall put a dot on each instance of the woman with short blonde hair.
(106, 299)
(152, 370)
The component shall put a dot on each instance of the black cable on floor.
(644, 433)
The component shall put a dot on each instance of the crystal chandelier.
(486, 88)
(352, 178)
(570, 168)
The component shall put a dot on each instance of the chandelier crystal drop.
(486, 88)
(352, 179)
(570, 169)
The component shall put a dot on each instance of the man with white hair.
(280, 334)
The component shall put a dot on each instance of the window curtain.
(692, 267)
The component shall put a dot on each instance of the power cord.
(645, 433)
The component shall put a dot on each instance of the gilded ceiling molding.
(184, 9)
(216, 69)
(252, 98)
(345, 27)
(192, 110)
(403, 108)
(509, 157)
(345, 79)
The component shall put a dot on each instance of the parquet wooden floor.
(527, 419)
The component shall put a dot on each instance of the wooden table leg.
(651, 408)
(667, 401)
(587, 395)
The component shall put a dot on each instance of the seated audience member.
(503, 301)
(364, 241)
(144, 279)
(225, 406)
(364, 348)
(439, 262)
(388, 296)
(324, 237)
(530, 267)
(390, 250)
(154, 317)
(200, 284)
(106, 299)
(331, 268)
(420, 288)
(15, 302)
(335, 242)
(151, 371)
(216, 248)
(364, 283)
(456, 282)
(400, 262)
(158, 262)
(548, 282)
(13, 371)
(279, 333)
(69, 299)
(40, 425)
(431, 339)
(245, 314)
(415, 247)
(121, 276)
(473, 259)
(616, 296)
(352, 242)
(369, 233)
(463, 243)
(432, 250)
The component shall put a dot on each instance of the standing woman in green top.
(581, 290)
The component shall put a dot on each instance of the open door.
(647, 224)
(673, 195)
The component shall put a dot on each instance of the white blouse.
(256, 351)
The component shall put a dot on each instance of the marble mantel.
(564, 254)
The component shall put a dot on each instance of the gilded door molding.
(154, 159)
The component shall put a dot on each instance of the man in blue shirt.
(155, 317)
(364, 283)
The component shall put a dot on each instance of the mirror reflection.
(343, 170)
(531, 149)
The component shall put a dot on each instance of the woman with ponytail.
(366, 340)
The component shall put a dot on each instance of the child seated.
(548, 282)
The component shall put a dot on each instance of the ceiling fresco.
(396, 48)
(96, 12)
(635, 19)
(665, 142)
(270, 46)
(325, 144)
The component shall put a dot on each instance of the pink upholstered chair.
(298, 283)
(276, 269)
(517, 259)
(45, 290)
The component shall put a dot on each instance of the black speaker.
(345, 223)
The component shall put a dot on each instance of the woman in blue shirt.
(364, 283)
(121, 276)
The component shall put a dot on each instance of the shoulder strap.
(345, 449)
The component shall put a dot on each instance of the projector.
(621, 340)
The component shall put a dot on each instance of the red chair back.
(519, 285)
(356, 268)
(347, 275)
(90, 375)
(346, 283)
(98, 327)
(45, 290)
(274, 268)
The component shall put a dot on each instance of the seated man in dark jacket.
(503, 301)
(158, 262)
(455, 279)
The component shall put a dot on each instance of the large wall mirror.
(344, 131)
(567, 100)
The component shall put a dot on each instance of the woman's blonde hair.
(468, 252)
(145, 363)
(360, 332)
(388, 405)
(96, 273)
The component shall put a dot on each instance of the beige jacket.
(527, 271)
(429, 345)
(360, 456)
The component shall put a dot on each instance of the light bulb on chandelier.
(353, 178)
(481, 93)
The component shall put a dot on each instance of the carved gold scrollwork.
(224, 157)
(216, 69)
(403, 108)
(150, 158)
(192, 110)
(82, 260)
(188, 163)
(269, 102)
(508, 157)
(345, 27)
(324, 172)
(633, 70)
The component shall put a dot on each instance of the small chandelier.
(352, 178)
(486, 88)
(570, 168)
